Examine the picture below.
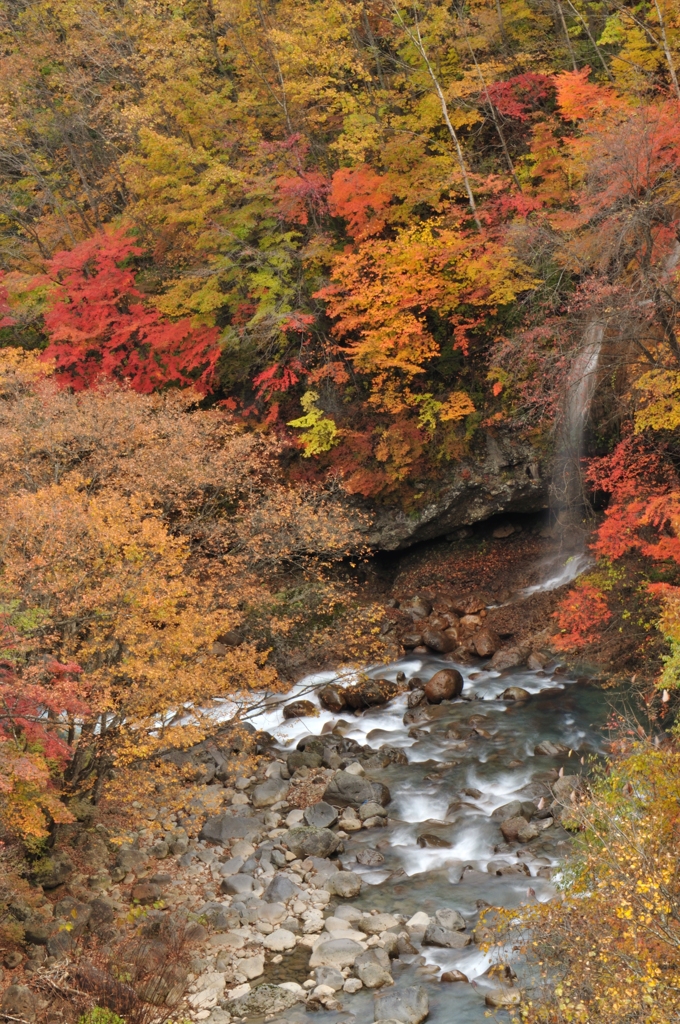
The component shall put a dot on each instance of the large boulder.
(347, 790)
(409, 1005)
(444, 685)
(507, 657)
(52, 871)
(485, 642)
(446, 938)
(308, 841)
(519, 830)
(439, 641)
(371, 970)
(370, 693)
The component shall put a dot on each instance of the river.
(465, 759)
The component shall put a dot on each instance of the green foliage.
(100, 1015)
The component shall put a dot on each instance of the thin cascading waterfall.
(567, 492)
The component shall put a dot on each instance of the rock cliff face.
(504, 474)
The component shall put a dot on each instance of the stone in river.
(519, 830)
(515, 693)
(454, 976)
(507, 657)
(371, 810)
(300, 709)
(270, 792)
(437, 640)
(409, 1005)
(371, 972)
(370, 858)
(377, 923)
(366, 694)
(411, 640)
(321, 815)
(550, 749)
(485, 642)
(330, 976)
(451, 919)
(432, 840)
(307, 841)
(347, 790)
(435, 935)
(502, 998)
(416, 683)
(564, 786)
(335, 953)
(332, 698)
(444, 685)
(415, 698)
(343, 883)
(280, 889)
(223, 827)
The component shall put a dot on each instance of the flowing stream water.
(465, 759)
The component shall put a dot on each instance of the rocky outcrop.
(504, 474)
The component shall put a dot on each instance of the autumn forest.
(276, 276)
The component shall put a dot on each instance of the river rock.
(330, 976)
(303, 759)
(370, 858)
(519, 830)
(451, 919)
(343, 883)
(485, 642)
(366, 694)
(19, 1002)
(435, 935)
(411, 640)
(375, 924)
(320, 815)
(332, 698)
(335, 953)
(280, 889)
(347, 790)
(444, 685)
(264, 1000)
(270, 792)
(507, 657)
(503, 998)
(409, 1005)
(515, 693)
(279, 940)
(371, 810)
(415, 698)
(454, 975)
(437, 640)
(308, 841)
(222, 828)
(371, 972)
(537, 661)
(549, 749)
(515, 809)
(300, 709)
(237, 885)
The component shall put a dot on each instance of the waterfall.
(566, 491)
(567, 503)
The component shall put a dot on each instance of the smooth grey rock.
(335, 953)
(409, 1005)
(237, 884)
(450, 919)
(321, 815)
(223, 827)
(371, 972)
(307, 841)
(371, 810)
(346, 884)
(231, 866)
(280, 889)
(270, 792)
(435, 935)
(330, 976)
(347, 790)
